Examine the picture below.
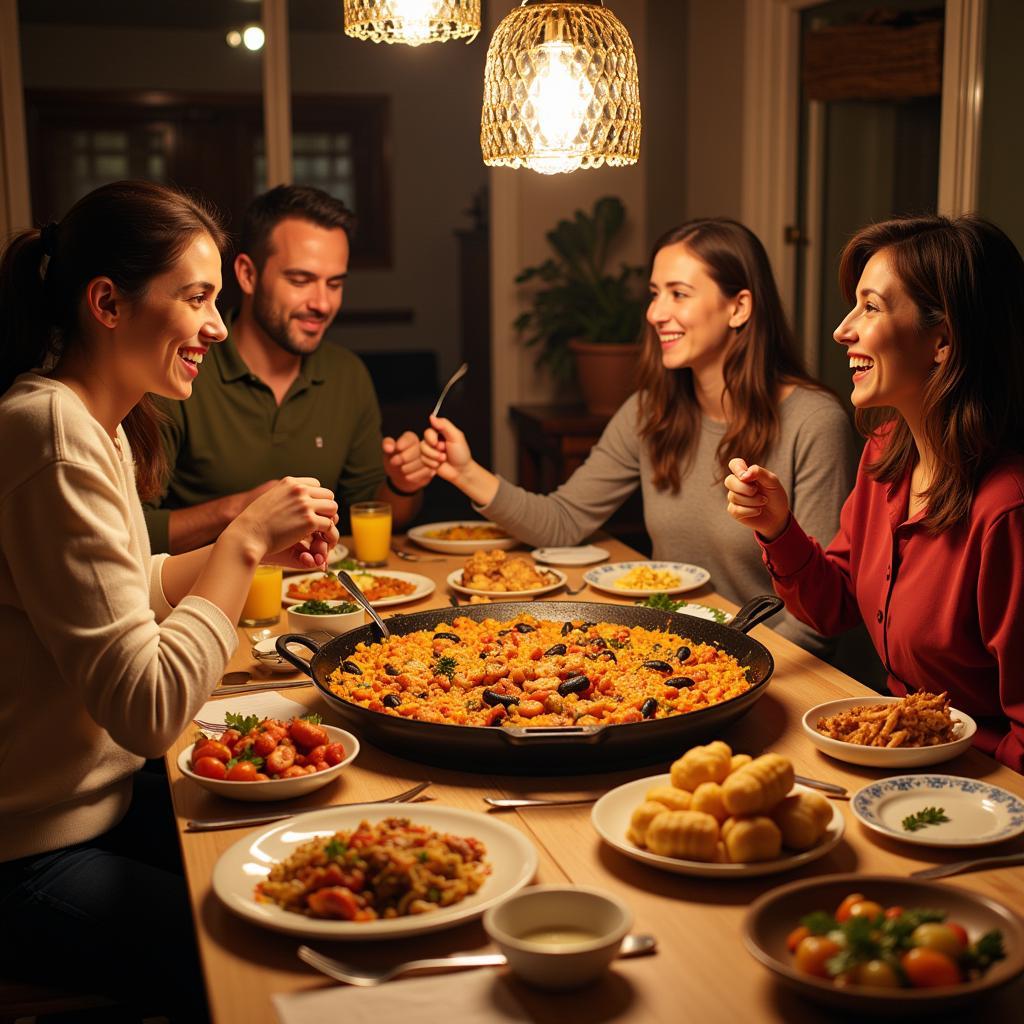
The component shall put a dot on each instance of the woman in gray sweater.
(718, 374)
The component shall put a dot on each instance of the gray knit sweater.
(814, 458)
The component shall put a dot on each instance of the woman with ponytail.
(719, 371)
(109, 651)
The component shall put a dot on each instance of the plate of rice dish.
(358, 872)
(495, 574)
(461, 537)
(643, 579)
(890, 732)
(380, 589)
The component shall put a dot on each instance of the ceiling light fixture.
(412, 22)
(560, 89)
(253, 37)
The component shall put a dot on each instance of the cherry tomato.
(244, 771)
(927, 968)
(812, 952)
(335, 753)
(866, 908)
(891, 912)
(264, 743)
(794, 938)
(306, 734)
(939, 937)
(209, 768)
(876, 973)
(229, 737)
(844, 908)
(211, 748)
(959, 931)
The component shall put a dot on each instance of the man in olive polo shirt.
(271, 400)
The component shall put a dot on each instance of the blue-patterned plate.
(670, 578)
(978, 813)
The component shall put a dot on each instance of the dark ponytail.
(129, 231)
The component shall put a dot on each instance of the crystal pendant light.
(560, 89)
(412, 22)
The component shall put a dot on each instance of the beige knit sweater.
(97, 671)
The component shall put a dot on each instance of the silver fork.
(575, 590)
(407, 557)
(453, 379)
(212, 824)
(632, 945)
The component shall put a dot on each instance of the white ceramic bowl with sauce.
(559, 937)
(335, 624)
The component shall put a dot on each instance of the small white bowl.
(302, 622)
(517, 924)
(275, 789)
(884, 757)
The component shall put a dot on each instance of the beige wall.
(435, 156)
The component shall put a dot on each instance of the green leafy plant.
(577, 296)
(928, 816)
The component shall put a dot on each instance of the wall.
(435, 156)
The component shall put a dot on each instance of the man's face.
(298, 291)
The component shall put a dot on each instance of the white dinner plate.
(587, 554)
(511, 855)
(558, 580)
(424, 586)
(884, 757)
(421, 535)
(979, 813)
(337, 553)
(611, 815)
(703, 611)
(604, 577)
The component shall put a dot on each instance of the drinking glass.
(371, 532)
(263, 604)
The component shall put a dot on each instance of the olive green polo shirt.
(231, 435)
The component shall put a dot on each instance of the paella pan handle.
(755, 611)
(537, 736)
(303, 641)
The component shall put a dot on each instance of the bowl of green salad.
(334, 617)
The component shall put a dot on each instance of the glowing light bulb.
(560, 94)
(253, 37)
(416, 17)
(234, 38)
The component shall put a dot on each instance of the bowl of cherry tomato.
(885, 944)
(268, 759)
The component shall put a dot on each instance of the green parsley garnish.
(314, 607)
(434, 894)
(243, 723)
(662, 602)
(928, 816)
(313, 718)
(334, 848)
(246, 755)
(445, 666)
(422, 858)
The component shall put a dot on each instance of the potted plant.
(582, 316)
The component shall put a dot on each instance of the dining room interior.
(597, 781)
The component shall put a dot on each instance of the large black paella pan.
(563, 750)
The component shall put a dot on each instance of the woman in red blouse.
(930, 549)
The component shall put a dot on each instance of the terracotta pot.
(606, 373)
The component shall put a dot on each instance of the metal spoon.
(350, 585)
(632, 945)
(455, 377)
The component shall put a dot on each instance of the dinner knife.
(825, 787)
(978, 863)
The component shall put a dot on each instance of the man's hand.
(403, 463)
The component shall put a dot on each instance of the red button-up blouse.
(945, 612)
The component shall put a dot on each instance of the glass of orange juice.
(371, 531)
(263, 604)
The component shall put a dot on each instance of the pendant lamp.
(560, 89)
(412, 22)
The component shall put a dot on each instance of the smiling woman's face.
(891, 355)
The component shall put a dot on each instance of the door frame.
(771, 100)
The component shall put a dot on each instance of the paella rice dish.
(528, 672)
(327, 588)
(391, 869)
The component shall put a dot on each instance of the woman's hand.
(445, 451)
(293, 523)
(757, 499)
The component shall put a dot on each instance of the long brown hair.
(129, 231)
(966, 276)
(760, 357)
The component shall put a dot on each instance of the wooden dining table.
(701, 971)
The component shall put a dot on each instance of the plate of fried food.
(720, 815)
(644, 579)
(461, 537)
(379, 874)
(890, 732)
(495, 574)
(381, 590)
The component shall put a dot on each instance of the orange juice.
(371, 531)
(263, 605)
